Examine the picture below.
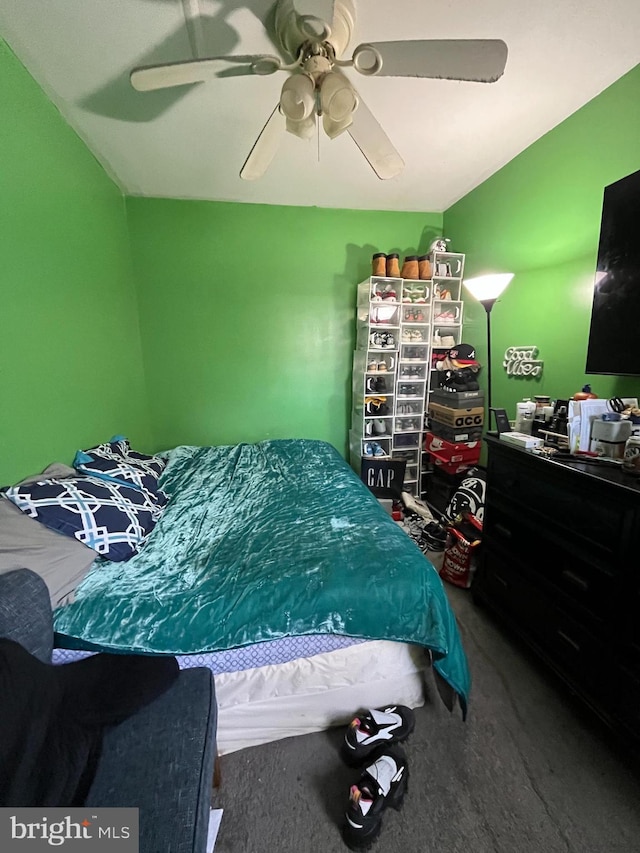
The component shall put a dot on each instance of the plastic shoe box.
(410, 456)
(410, 372)
(409, 424)
(414, 351)
(406, 440)
(410, 390)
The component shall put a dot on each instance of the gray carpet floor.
(529, 772)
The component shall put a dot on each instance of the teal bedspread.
(258, 542)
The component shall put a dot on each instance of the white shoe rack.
(400, 324)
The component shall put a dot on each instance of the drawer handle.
(568, 639)
(501, 580)
(502, 530)
(576, 580)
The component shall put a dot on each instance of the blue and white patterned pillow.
(112, 519)
(117, 463)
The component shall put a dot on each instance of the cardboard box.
(464, 451)
(455, 434)
(455, 417)
(457, 399)
(521, 439)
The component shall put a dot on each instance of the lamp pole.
(488, 305)
(486, 289)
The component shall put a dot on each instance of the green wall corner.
(539, 217)
(70, 357)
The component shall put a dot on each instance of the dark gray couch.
(161, 759)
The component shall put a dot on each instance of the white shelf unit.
(374, 368)
(412, 378)
(401, 325)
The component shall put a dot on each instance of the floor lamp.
(486, 289)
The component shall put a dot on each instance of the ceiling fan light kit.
(317, 86)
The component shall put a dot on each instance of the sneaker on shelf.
(377, 449)
(389, 293)
(380, 428)
(368, 448)
(444, 341)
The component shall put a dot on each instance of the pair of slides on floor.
(371, 742)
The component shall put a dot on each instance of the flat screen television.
(615, 314)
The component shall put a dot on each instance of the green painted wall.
(70, 359)
(248, 314)
(539, 217)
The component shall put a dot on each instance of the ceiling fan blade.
(321, 9)
(479, 60)
(374, 143)
(265, 147)
(150, 77)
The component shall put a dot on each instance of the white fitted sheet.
(276, 701)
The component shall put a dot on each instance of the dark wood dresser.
(561, 565)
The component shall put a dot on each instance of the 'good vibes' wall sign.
(522, 361)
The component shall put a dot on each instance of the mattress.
(246, 657)
(261, 702)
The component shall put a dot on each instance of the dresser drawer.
(576, 651)
(587, 512)
(571, 646)
(504, 587)
(586, 584)
(624, 698)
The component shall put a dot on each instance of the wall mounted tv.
(615, 315)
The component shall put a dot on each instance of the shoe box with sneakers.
(452, 457)
(456, 413)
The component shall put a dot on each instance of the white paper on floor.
(215, 816)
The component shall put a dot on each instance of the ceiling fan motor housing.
(293, 29)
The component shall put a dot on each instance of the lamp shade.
(339, 102)
(298, 105)
(488, 287)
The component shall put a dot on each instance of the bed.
(273, 564)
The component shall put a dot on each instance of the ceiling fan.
(317, 87)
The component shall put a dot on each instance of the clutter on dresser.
(601, 426)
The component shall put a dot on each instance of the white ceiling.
(192, 142)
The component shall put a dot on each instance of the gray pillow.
(61, 561)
